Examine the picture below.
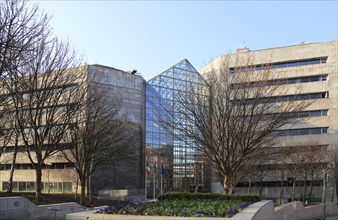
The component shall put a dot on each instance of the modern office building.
(308, 72)
(58, 175)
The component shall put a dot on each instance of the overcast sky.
(151, 36)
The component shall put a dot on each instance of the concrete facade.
(129, 89)
(286, 64)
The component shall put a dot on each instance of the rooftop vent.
(243, 49)
(133, 72)
(304, 42)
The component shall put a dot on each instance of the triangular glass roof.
(181, 71)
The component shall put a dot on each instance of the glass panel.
(324, 78)
(304, 114)
(316, 130)
(315, 61)
(302, 63)
(315, 96)
(324, 130)
(324, 112)
(316, 113)
(292, 81)
(5, 186)
(304, 80)
(314, 78)
(304, 131)
(15, 186)
(292, 64)
(303, 97)
(59, 166)
(293, 132)
(30, 186)
(67, 187)
(22, 186)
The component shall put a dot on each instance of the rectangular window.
(316, 130)
(314, 79)
(314, 62)
(303, 97)
(293, 132)
(304, 80)
(304, 114)
(303, 63)
(292, 81)
(67, 187)
(30, 186)
(315, 96)
(324, 112)
(316, 113)
(293, 64)
(22, 186)
(304, 132)
(324, 78)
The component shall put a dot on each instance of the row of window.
(280, 65)
(306, 114)
(288, 81)
(26, 166)
(53, 187)
(321, 95)
(303, 131)
(288, 183)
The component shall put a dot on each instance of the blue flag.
(162, 170)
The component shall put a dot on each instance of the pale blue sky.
(151, 36)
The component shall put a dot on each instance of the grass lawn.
(181, 207)
(61, 198)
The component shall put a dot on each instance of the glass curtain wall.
(170, 154)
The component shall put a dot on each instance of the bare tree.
(232, 116)
(101, 135)
(333, 166)
(43, 95)
(21, 27)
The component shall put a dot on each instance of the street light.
(324, 193)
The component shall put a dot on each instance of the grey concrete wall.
(129, 89)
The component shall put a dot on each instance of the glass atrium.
(171, 156)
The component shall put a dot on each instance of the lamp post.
(47, 165)
(324, 193)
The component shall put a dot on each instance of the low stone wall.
(133, 195)
(21, 208)
(296, 210)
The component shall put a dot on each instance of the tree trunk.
(10, 182)
(311, 188)
(38, 171)
(249, 187)
(305, 188)
(83, 191)
(293, 190)
(228, 185)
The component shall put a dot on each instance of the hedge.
(213, 196)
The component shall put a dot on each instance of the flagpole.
(161, 179)
(145, 183)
